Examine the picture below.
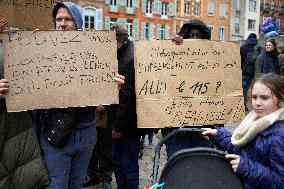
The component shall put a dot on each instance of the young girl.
(257, 146)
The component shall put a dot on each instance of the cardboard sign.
(54, 69)
(196, 83)
(28, 14)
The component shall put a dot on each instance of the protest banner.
(196, 83)
(54, 69)
(28, 14)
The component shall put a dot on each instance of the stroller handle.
(171, 135)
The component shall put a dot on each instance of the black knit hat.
(195, 24)
(252, 35)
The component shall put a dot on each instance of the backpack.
(250, 62)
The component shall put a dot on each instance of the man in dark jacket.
(246, 48)
(125, 133)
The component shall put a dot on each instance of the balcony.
(113, 8)
(149, 15)
(129, 10)
(164, 17)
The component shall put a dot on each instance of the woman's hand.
(209, 132)
(4, 87)
(178, 40)
(234, 160)
(119, 80)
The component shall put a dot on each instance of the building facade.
(144, 19)
(215, 13)
(245, 18)
(269, 6)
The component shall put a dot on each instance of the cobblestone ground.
(146, 162)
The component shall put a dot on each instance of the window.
(251, 24)
(238, 5)
(197, 8)
(211, 31)
(272, 5)
(89, 18)
(113, 2)
(237, 25)
(221, 33)
(164, 8)
(178, 6)
(129, 26)
(222, 10)
(129, 3)
(252, 5)
(147, 31)
(210, 10)
(187, 7)
(149, 6)
(99, 19)
(162, 32)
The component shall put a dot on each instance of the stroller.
(196, 168)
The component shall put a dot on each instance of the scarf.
(251, 126)
(275, 63)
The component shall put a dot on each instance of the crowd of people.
(79, 154)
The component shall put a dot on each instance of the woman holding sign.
(257, 146)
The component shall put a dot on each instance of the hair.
(274, 43)
(252, 35)
(120, 30)
(274, 82)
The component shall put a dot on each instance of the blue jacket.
(262, 160)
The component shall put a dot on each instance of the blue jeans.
(180, 142)
(246, 81)
(125, 162)
(67, 166)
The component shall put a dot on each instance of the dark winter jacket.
(261, 161)
(271, 61)
(21, 164)
(245, 49)
(250, 61)
(125, 119)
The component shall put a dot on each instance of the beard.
(64, 29)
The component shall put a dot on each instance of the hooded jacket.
(74, 11)
(197, 24)
(81, 117)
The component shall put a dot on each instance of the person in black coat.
(125, 134)
(245, 49)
